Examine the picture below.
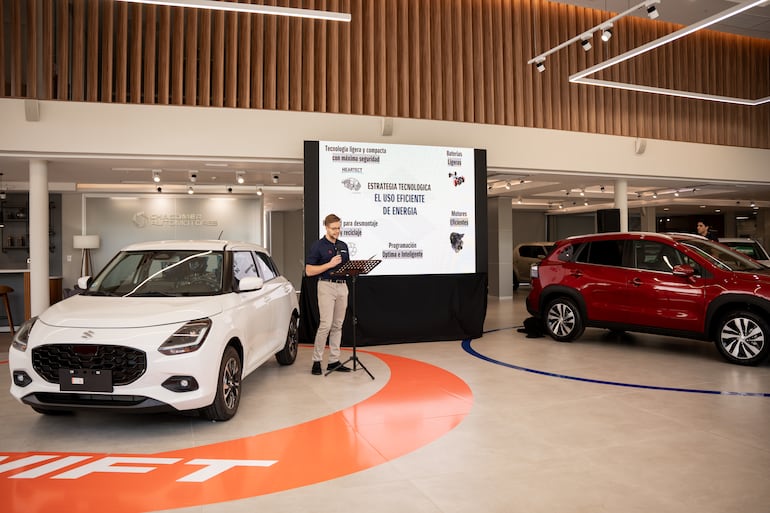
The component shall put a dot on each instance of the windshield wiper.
(154, 293)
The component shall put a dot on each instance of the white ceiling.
(753, 23)
(537, 190)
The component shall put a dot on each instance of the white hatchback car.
(165, 326)
(748, 247)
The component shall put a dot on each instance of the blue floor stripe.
(466, 344)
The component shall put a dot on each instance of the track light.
(507, 186)
(585, 42)
(752, 205)
(239, 177)
(519, 201)
(676, 193)
(253, 9)
(654, 195)
(606, 32)
(652, 11)
(193, 176)
(259, 191)
(156, 175)
(582, 192)
(159, 189)
(540, 65)
(190, 189)
(601, 188)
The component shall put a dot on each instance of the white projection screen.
(412, 207)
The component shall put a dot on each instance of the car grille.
(126, 363)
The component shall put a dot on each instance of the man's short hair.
(331, 218)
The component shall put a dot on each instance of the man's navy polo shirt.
(322, 251)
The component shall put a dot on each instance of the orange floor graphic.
(419, 404)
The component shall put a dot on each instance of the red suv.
(676, 284)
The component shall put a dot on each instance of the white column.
(40, 296)
(621, 202)
(500, 247)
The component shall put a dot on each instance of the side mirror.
(250, 283)
(684, 270)
(84, 282)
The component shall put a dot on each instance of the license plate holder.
(85, 380)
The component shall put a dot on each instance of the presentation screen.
(412, 207)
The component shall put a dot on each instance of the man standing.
(325, 256)
(705, 230)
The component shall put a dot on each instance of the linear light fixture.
(580, 77)
(251, 8)
(604, 26)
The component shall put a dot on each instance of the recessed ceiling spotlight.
(239, 177)
(654, 195)
(156, 175)
(190, 189)
(193, 176)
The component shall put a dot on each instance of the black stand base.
(355, 361)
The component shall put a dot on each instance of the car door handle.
(576, 274)
(636, 282)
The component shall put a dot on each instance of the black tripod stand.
(352, 269)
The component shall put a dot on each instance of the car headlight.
(186, 339)
(22, 336)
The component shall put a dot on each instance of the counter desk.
(19, 281)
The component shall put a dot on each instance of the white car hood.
(128, 312)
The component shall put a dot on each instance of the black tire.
(228, 395)
(562, 320)
(515, 281)
(743, 338)
(288, 354)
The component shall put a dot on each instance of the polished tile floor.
(627, 424)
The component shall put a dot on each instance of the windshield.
(160, 274)
(722, 256)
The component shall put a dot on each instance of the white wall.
(118, 129)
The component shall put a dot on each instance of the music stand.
(352, 269)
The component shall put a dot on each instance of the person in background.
(326, 254)
(705, 230)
